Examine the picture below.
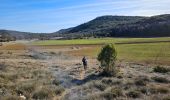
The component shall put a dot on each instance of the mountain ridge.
(109, 26)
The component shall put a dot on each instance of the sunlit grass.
(157, 53)
(97, 41)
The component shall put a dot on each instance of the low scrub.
(116, 91)
(140, 82)
(56, 82)
(160, 79)
(26, 89)
(133, 94)
(100, 86)
(59, 90)
(166, 97)
(10, 97)
(160, 69)
(43, 93)
(159, 89)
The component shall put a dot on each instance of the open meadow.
(141, 50)
(35, 71)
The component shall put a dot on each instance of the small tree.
(107, 58)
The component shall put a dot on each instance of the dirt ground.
(48, 73)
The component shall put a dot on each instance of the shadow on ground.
(87, 79)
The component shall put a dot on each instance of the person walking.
(84, 60)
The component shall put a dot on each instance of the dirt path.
(69, 77)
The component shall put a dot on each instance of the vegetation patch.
(100, 86)
(117, 91)
(159, 89)
(141, 81)
(44, 93)
(134, 94)
(160, 69)
(59, 90)
(160, 79)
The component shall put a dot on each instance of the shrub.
(53, 53)
(26, 89)
(144, 90)
(159, 89)
(116, 91)
(107, 81)
(140, 82)
(160, 79)
(56, 82)
(107, 58)
(59, 90)
(43, 93)
(100, 86)
(161, 69)
(133, 94)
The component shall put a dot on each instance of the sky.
(44, 16)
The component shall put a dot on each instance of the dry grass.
(16, 46)
(27, 76)
(20, 73)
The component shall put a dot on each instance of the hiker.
(84, 60)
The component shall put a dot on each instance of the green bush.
(161, 69)
(107, 58)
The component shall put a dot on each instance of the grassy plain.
(48, 73)
(98, 41)
(156, 50)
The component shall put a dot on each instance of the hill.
(24, 35)
(108, 26)
(123, 26)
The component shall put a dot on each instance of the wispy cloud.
(51, 15)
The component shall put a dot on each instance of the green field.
(157, 53)
(97, 41)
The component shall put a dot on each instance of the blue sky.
(52, 15)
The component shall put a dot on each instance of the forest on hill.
(107, 26)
